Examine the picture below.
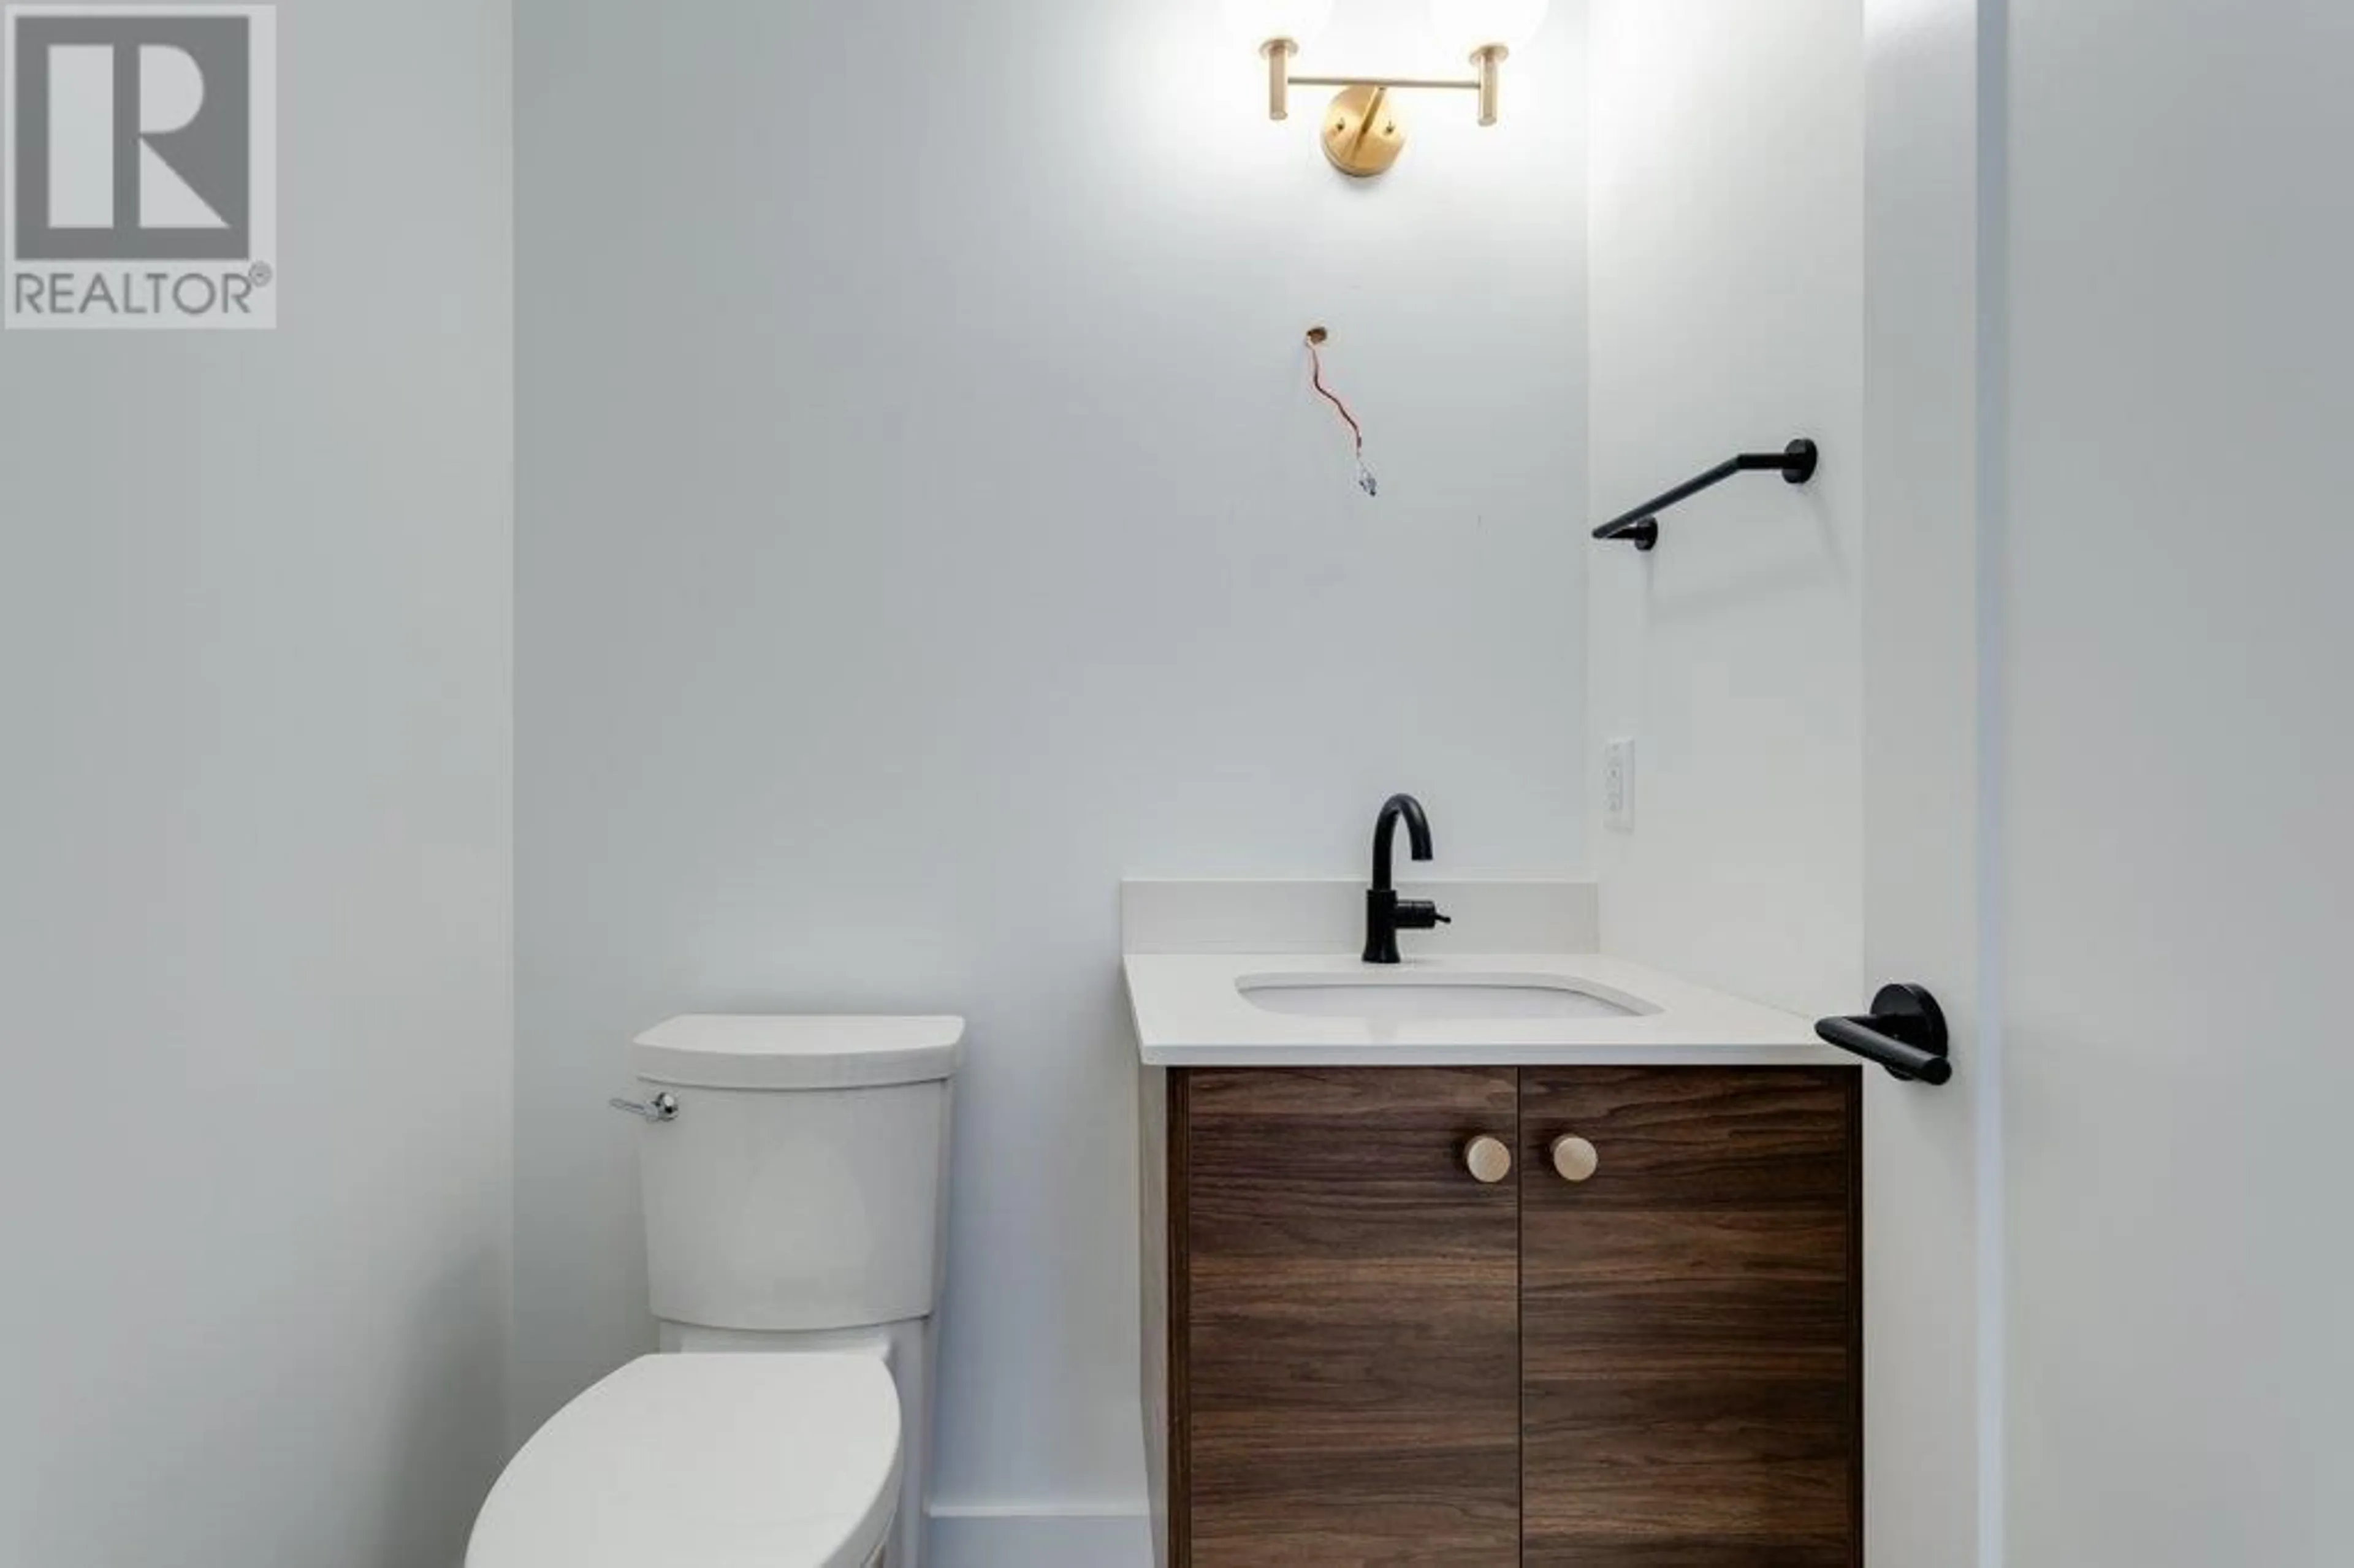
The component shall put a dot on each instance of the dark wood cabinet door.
(1691, 1319)
(1347, 1306)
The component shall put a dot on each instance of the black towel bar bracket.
(1640, 526)
(1904, 1033)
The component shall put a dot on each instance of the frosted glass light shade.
(1466, 26)
(1254, 22)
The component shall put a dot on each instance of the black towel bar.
(1796, 463)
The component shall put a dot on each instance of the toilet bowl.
(706, 1461)
(795, 1174)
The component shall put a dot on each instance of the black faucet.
(1385, 913)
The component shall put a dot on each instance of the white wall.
(1726, 271)
(254, 931)
(2178, 764)
(926, 522)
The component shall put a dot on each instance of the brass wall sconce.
(1363, 133)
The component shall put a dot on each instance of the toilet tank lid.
(758, 1051)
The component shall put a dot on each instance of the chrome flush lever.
(664, 1106)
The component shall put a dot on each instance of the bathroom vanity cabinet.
(1375, 1344)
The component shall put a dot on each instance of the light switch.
(1618, 785)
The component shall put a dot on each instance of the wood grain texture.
(1691, 1348)
(1350, 1301)
(1163, 1331)
(1178, 1524)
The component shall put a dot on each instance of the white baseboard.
(1040, 1536)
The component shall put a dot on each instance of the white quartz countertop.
(1191, 1011)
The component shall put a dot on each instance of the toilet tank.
(802, 1182)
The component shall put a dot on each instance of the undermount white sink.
(1430, 997)
(1266, 974)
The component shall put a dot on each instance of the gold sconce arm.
(1281, 81)
(1363, 129)
(1362, 134)
(1462, 84)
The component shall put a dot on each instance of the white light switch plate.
(1618, 786)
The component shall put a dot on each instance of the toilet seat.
(705, 1461)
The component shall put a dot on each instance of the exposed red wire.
(1316, 374)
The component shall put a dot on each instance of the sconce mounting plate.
(1363, 134)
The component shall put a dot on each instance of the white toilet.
(795, 1173)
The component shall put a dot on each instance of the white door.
(2109, 780)
(2174, 723)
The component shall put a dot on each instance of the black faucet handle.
(1419, 914)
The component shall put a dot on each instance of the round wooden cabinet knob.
(1487, 1159)
(1575, 1159)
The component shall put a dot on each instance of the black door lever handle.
(1904, 1033)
